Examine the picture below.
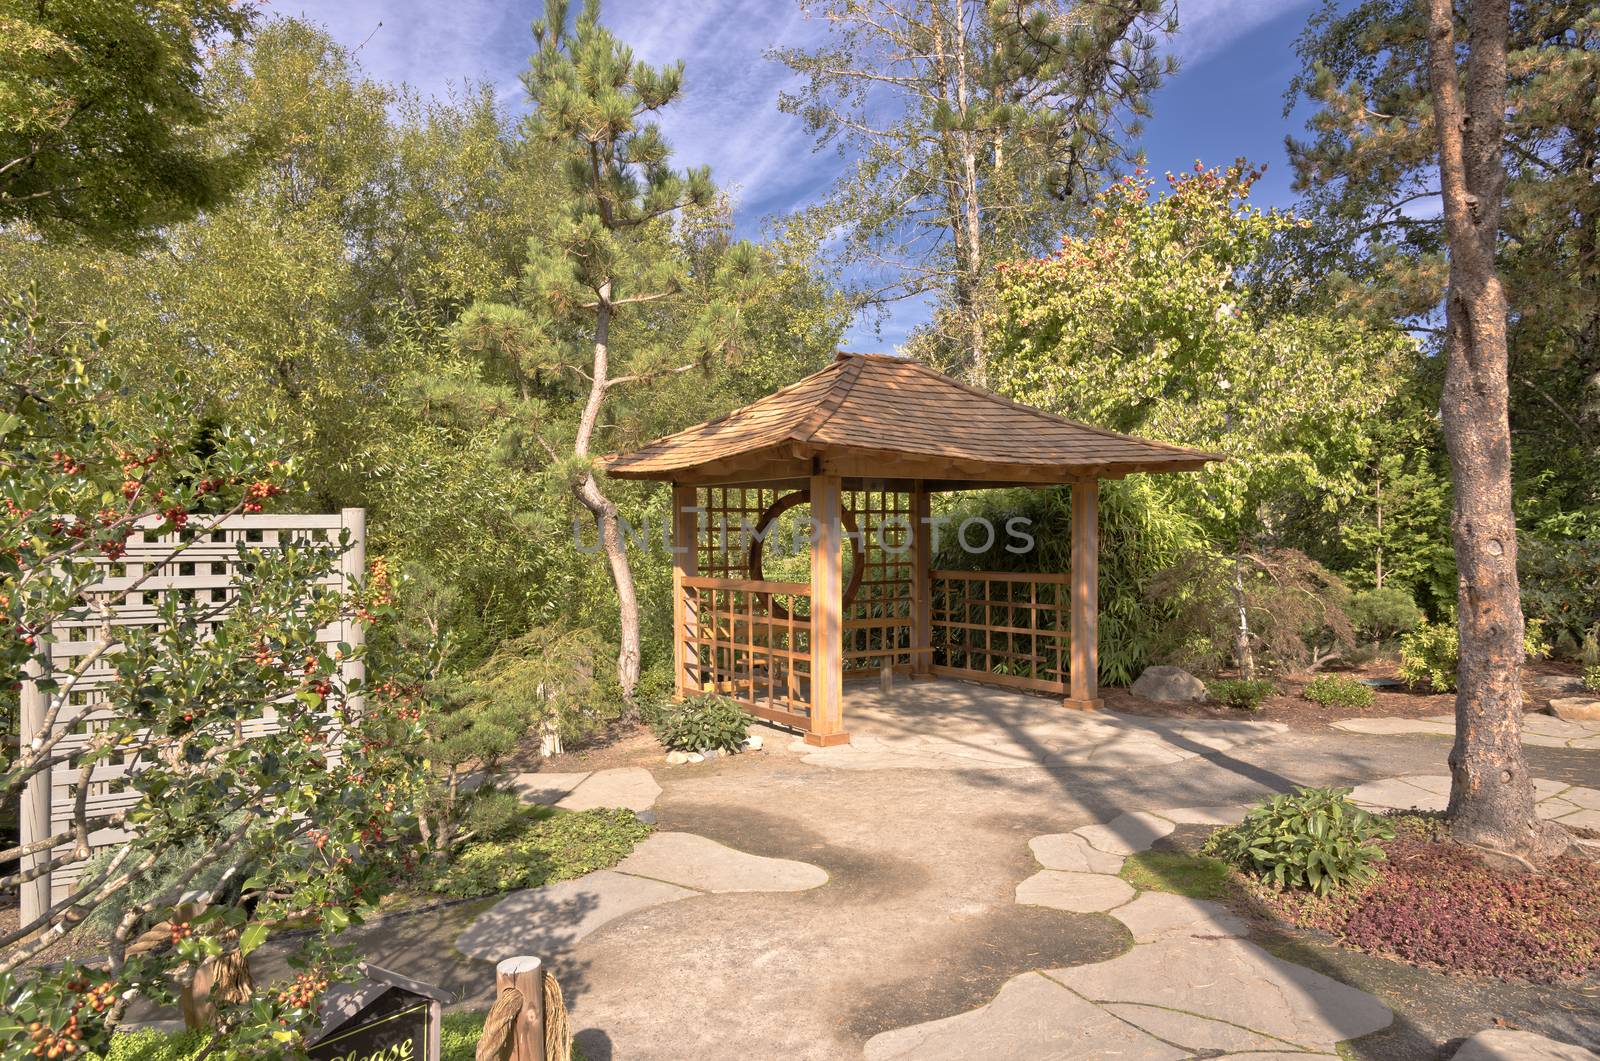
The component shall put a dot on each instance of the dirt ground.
(1292, 709)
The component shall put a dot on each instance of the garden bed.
(1292, 709)
(1432, 904)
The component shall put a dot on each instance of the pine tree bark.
(1491, 795)
(607, 519)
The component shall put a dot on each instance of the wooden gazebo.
(866, 442)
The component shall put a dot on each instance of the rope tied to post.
(498, 1039)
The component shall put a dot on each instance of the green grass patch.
(458, 1041)
(1196, 876)
(554, 846)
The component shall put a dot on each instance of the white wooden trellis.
(206, 569)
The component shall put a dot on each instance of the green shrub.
(1382, 614)
(559, 845)
(1330, 690)
(1591, 679)
(704, 722)
(1312, 838)
(1430, 653)
(1428, 657)
(1237, 692)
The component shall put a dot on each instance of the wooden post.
(1085, 596)
(353, 565)
(685, 564)
(526, 975)
(921, 579)
(827, 604)
(35, 824)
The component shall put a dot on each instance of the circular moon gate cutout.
(778, 508)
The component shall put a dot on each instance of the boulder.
(1168, 685)
(1576, 708)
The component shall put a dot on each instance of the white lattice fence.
(204, 570)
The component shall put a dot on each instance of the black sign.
(381, 1017)
(396, 1036)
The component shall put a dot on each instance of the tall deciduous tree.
(973, 122)
(1491, 794)
(1151, 321)
(105, 117)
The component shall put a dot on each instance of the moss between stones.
(1195, 876)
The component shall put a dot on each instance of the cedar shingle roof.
(896, 410)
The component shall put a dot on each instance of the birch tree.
(973, 126)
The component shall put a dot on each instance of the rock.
(1503, 1044)
(696, 757)
(1078, 893)
(691, 861)
(677, 758)
(753, 742)
(1560, 683)
(711, 753)
(1576, 708)
(1168, 685)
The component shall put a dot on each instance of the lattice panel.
(1007, 628)
(731, 516)
(751, 641)
(204, 572)
(877, 622)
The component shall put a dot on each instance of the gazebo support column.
(921, 580)
(1085, 687)
(827, 604)
(685, 564)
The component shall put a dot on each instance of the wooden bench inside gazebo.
(866, 443)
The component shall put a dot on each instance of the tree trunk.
(1491, 794)
(607, 520)
(1243, 654)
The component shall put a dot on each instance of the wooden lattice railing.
(750, 641)
(1003, 627)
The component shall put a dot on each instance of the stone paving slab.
(1540, 730)
(1237, 982)
(1126, 834)
(1031, 1017)
(953, 725)
(1504, 1044)
(1199, 1034)
(1554, 800)
(1157, 915)
(1079, 893)
(692, 861)
(1069, 851)
(630, 787)
(550, 920)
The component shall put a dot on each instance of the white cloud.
(1206, 27)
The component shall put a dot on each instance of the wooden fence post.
(35, 824)
(353, 566)
(525, 975)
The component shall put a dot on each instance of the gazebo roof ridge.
(903, 419)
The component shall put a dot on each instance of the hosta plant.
(703, 723)
(1331, 690)
(1312, 838)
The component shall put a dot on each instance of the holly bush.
(295, 829)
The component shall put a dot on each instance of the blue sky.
(1236, 57)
